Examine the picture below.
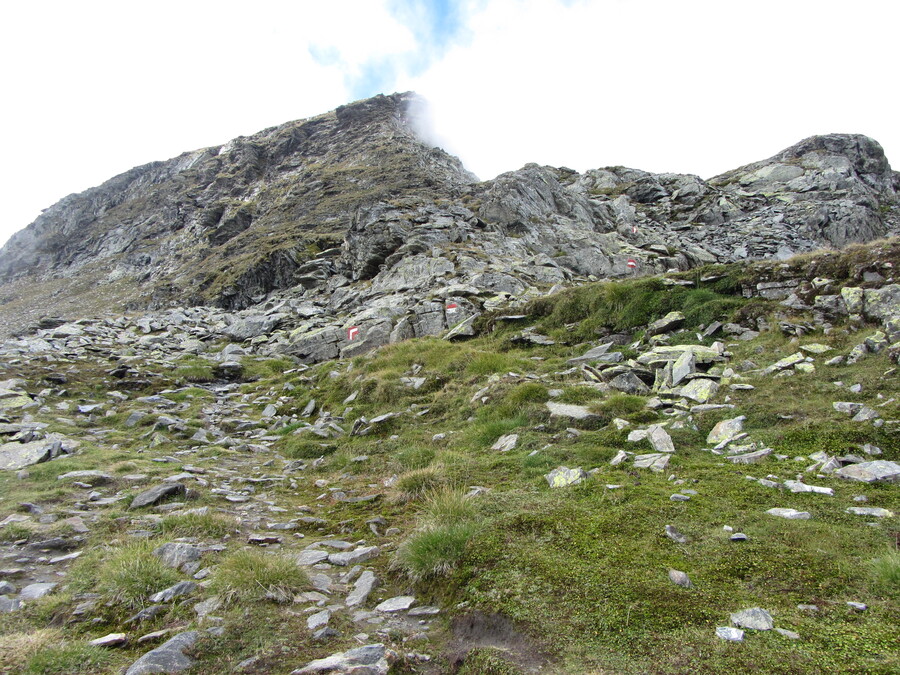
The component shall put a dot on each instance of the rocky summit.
(319, 401)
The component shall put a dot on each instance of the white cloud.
(665, 86)
(93, 88)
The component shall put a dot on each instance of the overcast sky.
(91, 88)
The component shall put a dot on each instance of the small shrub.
(416, 484)
(434, 550)
(250, 574)
(68, 657)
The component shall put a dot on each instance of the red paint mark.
(632, 262)
(452, 307)
(352, 333)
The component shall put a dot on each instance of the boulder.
(167, 658)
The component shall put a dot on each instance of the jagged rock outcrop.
(348, 219)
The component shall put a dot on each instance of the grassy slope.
(582, 571)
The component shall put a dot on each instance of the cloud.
(696, 87)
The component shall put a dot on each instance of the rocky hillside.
(349, 213)
(690, 473)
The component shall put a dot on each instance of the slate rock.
(172, 592)
(156, 494)
(15, 456)
(680, 579)
(366, 660)
(730, 634)
(563, 476)
(726, 430)
(361, 589)
(506, 443)
(576, 412)
(354, 557)
(176, 554)
(397, 604)
(754, 618)
(870, 511)
(35, 591)
(167, 658)
(790, 514)
(871, 472)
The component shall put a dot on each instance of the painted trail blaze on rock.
(352, 333)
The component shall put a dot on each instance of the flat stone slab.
(870, 511)
(397, 604)
(361, 589)
(311, 557)
(365, 660)
(563, 476)
(167, 658)
(754, 618)
(726, 430)
(156, 494)
(506, 443)
(871, 472)
(175, 554)
(35, 591)
(798, 486)
(576, 412)
(790, 514)
(660, 439)
(345, 558)
(92, 477)
(15, 456)
(751, 457)
(730, 634)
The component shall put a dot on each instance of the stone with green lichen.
(853, 299)
(563, 476)
(700, 390)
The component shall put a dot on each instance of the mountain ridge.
(352, 207)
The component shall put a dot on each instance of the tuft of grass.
(885, 572)
(487, 661)
(14, 532)
(415, 457)
(125, 576)
(620, 405)
(249, 574)
(68, 657)
(434, 550)
(530, 392)
(416, 484)
(447, 505)
(196, 525)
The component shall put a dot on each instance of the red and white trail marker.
(352, 333)
(632, 263)
(452, 306)
(634, 229)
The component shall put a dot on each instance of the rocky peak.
(351, 211)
